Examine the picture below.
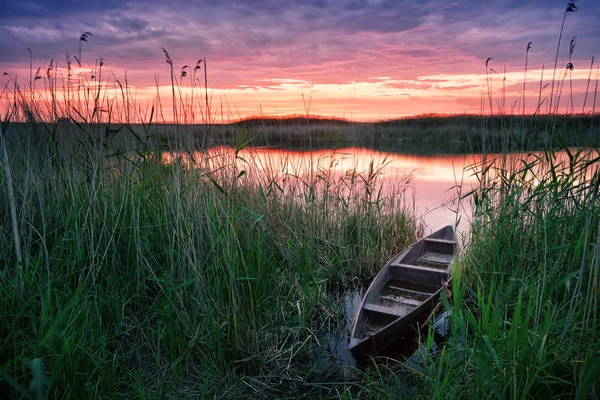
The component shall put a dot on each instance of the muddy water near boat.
(338, 338)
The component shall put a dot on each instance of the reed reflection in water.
(430, 185)
(426, 184)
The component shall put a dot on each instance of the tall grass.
(134, 266)
(524, 313)
(525, 307)
(146, 277)
(524, 319)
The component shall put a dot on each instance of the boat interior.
(407, 281)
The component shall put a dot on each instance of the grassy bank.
(139, 278)
(144, 276)
(525, 318)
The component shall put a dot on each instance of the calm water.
(428, 184)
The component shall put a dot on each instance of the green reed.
(143, 277)
(524, 313)
(136, 277)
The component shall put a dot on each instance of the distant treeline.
(420, 134)
(445, 133)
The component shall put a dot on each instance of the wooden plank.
(395, 311)
(436, 258)
(420, 275)
(440, 245)
(401, 300)
(434, 240)
(411, 291)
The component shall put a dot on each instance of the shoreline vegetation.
(140, 278)
(430, 134)
(125, 276)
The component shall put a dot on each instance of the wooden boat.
(403, 293)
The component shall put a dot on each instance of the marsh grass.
(138, 277)
(146, 278)
(524, 313)
(524, 320)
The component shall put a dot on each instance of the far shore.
(425, 133)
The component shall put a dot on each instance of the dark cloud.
(130, 25)
(356, 5)
(44, 9)
(380, 16)
(328, 41)
(502, 29)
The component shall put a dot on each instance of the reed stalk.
(525, 75)
(571, 7)
(13, 211)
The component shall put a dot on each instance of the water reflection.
(338, 338)
(431, 184)
(427, 183)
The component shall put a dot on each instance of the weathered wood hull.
(403, 293)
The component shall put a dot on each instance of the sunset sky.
(363, 60)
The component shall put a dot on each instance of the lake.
(427, 184)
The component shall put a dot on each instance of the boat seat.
(443, 246)
(437, 260)
(406, 301)
(425, 276)
(394, 311)
(417, 292)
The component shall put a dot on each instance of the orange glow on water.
(426, 180)
(429, 183)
